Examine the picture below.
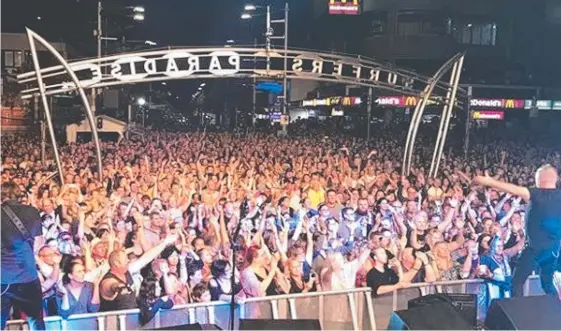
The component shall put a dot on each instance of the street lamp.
(141, 101)
(138, 17)
(203, 84)
(138, 9)
(269, 36)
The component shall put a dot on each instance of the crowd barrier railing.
(353, 309)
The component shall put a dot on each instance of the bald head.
(546, 177)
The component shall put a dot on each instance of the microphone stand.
(243, 213)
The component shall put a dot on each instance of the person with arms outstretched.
(543, 227)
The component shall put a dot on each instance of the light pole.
(138, 15)
(269, 36)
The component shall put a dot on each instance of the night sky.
(168, 22)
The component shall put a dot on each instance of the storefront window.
(421, 23)
(8, 58)
(484, 34)
(379, 23)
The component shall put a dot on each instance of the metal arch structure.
(33, 37)
(455, 64)
(228, 62)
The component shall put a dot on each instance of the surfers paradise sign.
(190, 63)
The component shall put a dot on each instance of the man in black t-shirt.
(543, 227)
(381, 278)
(21, 287)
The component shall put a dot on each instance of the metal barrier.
(353, 309)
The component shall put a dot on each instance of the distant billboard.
(344, 7)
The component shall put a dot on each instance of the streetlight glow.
(138, 17)
(203, 84)
(141, 101)
(249, 7)
(230, 41)
(138, 9)
(246, 16)
(150, 43)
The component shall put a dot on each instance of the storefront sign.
(488, 115)
(344, 7)
(540, 104)
(498, 103)
(333, 101)
(556, 105)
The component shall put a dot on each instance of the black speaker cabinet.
(439, 316)
(528, 313)
(464, 304)
(263, 324)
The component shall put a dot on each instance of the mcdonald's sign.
(344, 7)
(410, 101)
(513, 103)
(488, 115)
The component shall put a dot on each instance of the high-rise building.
(507, 41)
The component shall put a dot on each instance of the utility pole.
(369, 110)
(268, 37)
(284, 78)
(99, 35)
(254, 96)
(468, 120)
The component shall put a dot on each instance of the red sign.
(13, 117)
(344, 7)
(488, 115)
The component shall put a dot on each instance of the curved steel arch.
(32, 37)
(305, 65)
(420, 108)
(250, 63)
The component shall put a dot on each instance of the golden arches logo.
(410, 101)
(509, 103)
(355, 2)
(476, 115)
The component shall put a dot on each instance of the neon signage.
(498, 103)
(333, 101)
(344, 7)
(488, 115)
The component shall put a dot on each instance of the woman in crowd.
(220, 284)
(78, 295)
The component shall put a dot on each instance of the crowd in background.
(298, 214)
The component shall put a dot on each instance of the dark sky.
(168, 22)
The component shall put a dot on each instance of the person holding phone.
(299, 283)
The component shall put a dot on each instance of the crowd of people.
(298, 214)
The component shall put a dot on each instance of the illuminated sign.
(14, 117)
(333, 101)
(410, 101)
(498, 103)
(406, 101)
(543, 104)
(335, 112)
(390, 101)
(344, 7)
(488, 115)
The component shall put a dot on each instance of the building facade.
(507, 41)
